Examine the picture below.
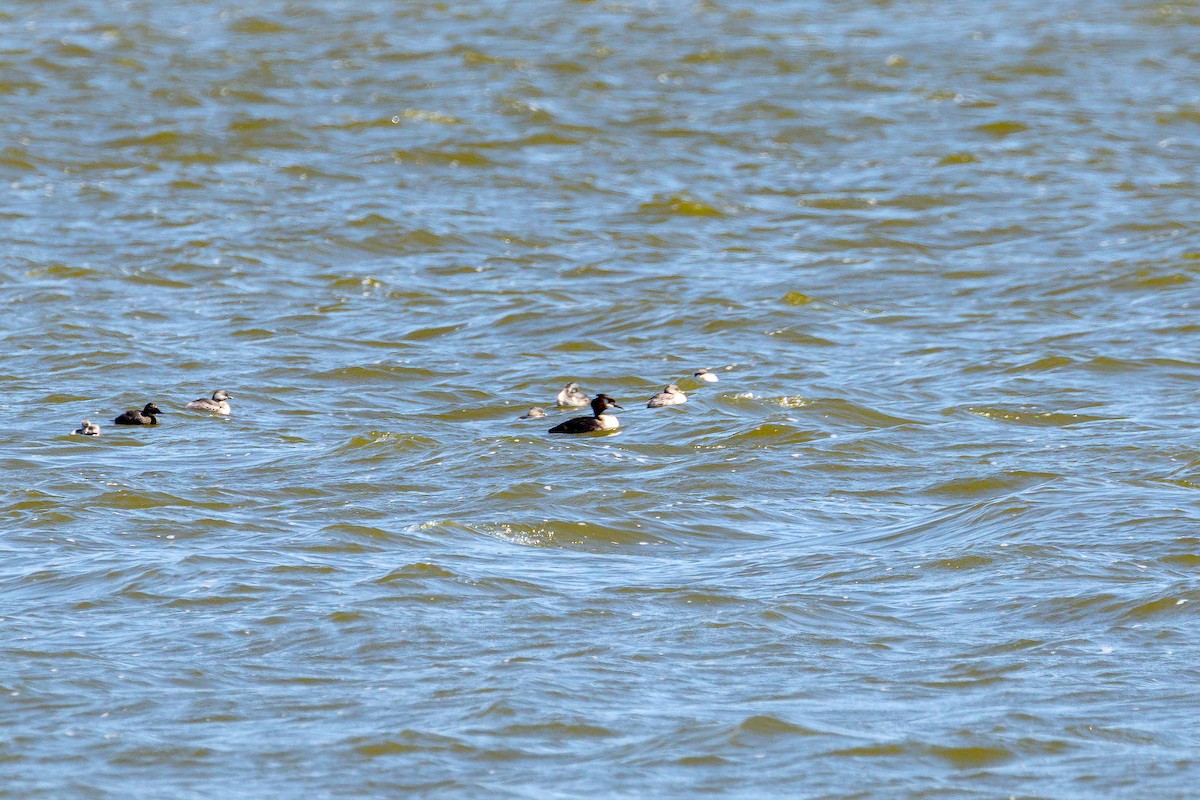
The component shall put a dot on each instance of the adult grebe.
(599, 421)
(147, 416)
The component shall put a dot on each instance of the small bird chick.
(87, 428)
(571, 396)
(670, 396)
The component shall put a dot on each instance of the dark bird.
(147, 416)
(599, 421)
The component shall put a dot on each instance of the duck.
(87, 428)
(147, 416)
(599, 421)
(571, 396)
(705, 376)
(669, 396)
(219, 404)
(534, 413)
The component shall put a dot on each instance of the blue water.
(932, 534)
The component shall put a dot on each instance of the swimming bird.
(218, 405)
(571, 396)
(670, 396)
(534, 413)
(147, 416)
(599, 421)
(87, 428)
(705, 375)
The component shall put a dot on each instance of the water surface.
(933, 534)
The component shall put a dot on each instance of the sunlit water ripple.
(933, 534)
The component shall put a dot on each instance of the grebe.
(599, 421)
(705, 375)
(147, 416)
(670, 396)
(571, 396)
(87, 428)
(534, 413)
(218, 405)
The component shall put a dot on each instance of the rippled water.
(933, 534)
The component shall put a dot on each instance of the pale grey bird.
(219, 404)
(571, 396)
(670, 396)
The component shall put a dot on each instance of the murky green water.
(933, 534)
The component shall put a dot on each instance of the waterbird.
(571, 396)
(219, 404)
(87, 428)
(534, 413)
(147, 416)
(599, 421)
(705, 375)
(669, 396)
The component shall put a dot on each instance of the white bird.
(705, 375)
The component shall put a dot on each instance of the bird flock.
(569, 397)
(572, 397)
(148, 414)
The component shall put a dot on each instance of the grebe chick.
(218, 405)
(147, 416)
(705, 375)
(87, 428)
(571, 396)
(670, 396)
(534, 413)
(599, 421)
